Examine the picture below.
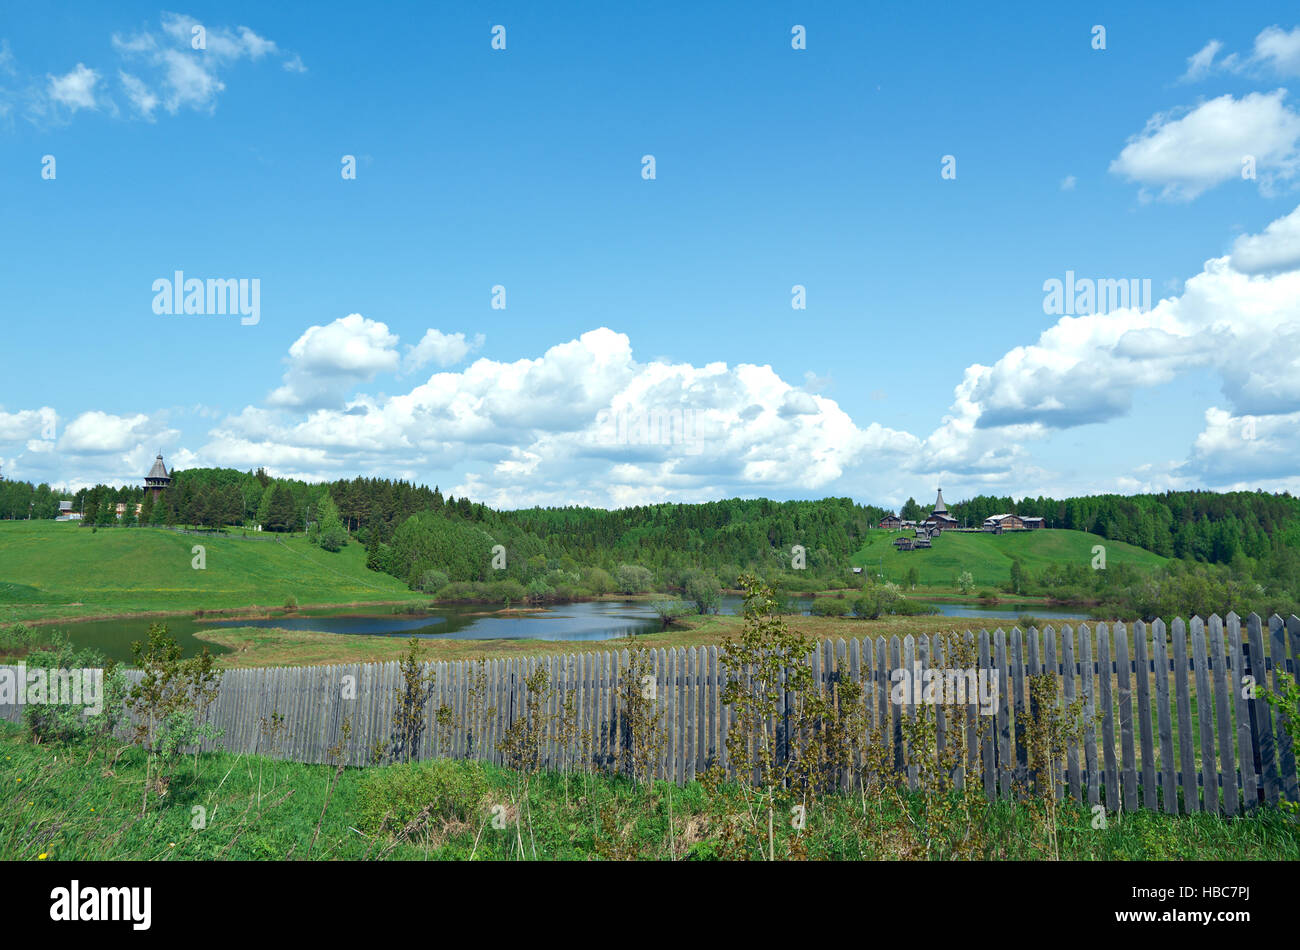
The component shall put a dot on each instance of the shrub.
(669, 609)
(432, 581)
(904, 607)
(538, 591)
(597, 580)
(704, 591)
(830, 607)
(632, 579)
(507, 591)
(867, 607)
(433, 793)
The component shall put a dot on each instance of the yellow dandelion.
(42, 856)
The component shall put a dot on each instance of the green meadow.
(53, 570)
(63, 804)
(988, 557)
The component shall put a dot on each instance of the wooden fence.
(1180, 708)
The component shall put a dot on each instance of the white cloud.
(1200, 63)
(185, 77)
(1243, 327)
(1068, 183)
(442, 349)
(97, 432)
(1276, 249)
(1245, 451)
(1275, 54)
(75, 89)
(1278, 50)
(583, 423)
(327, 361)
(25, 424)
(294, 65)
(1187, 153)
(141, 97)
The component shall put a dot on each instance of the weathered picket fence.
(1209, 740)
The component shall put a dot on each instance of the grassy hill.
(988, 556)
(57, 569)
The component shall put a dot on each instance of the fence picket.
(1285, 754)
(1124, 689)
(1186, 755)
(1143, 668)
(1003, 713)
(1088, 687)
(1223, 711)
(1107, 702)
(1262, 710)
(1205, 718)
(1245, 735)
(1168, 777)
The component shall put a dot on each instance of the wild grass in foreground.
(68, 803)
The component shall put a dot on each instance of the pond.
(588, 621)
(1008, 611)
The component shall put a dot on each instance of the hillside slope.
(988, 556)
(52, 569)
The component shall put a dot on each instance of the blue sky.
(923, 356)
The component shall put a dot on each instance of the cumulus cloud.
(1276, 249)
(1186, 152)
(327, 361)
(1229, 319)
(585, 422)
(441, 349)
(99, 432)
(1244, 451)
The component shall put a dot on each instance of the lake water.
(588, 621)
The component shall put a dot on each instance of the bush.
(538, 591)
(867, 607)
(432, 581)
(704, 591)
(429, 794)
(830, 607)
(508, 590)
(632, 579)
(669, 609)
(597, 580)
(904, 607)
(65, 722)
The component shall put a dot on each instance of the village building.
(157, 481)
(891, 522)
(996, 524)
(939, 516)
(66, 513)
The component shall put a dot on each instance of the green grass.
(988, 556)
(67, 805)
(59, 570)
